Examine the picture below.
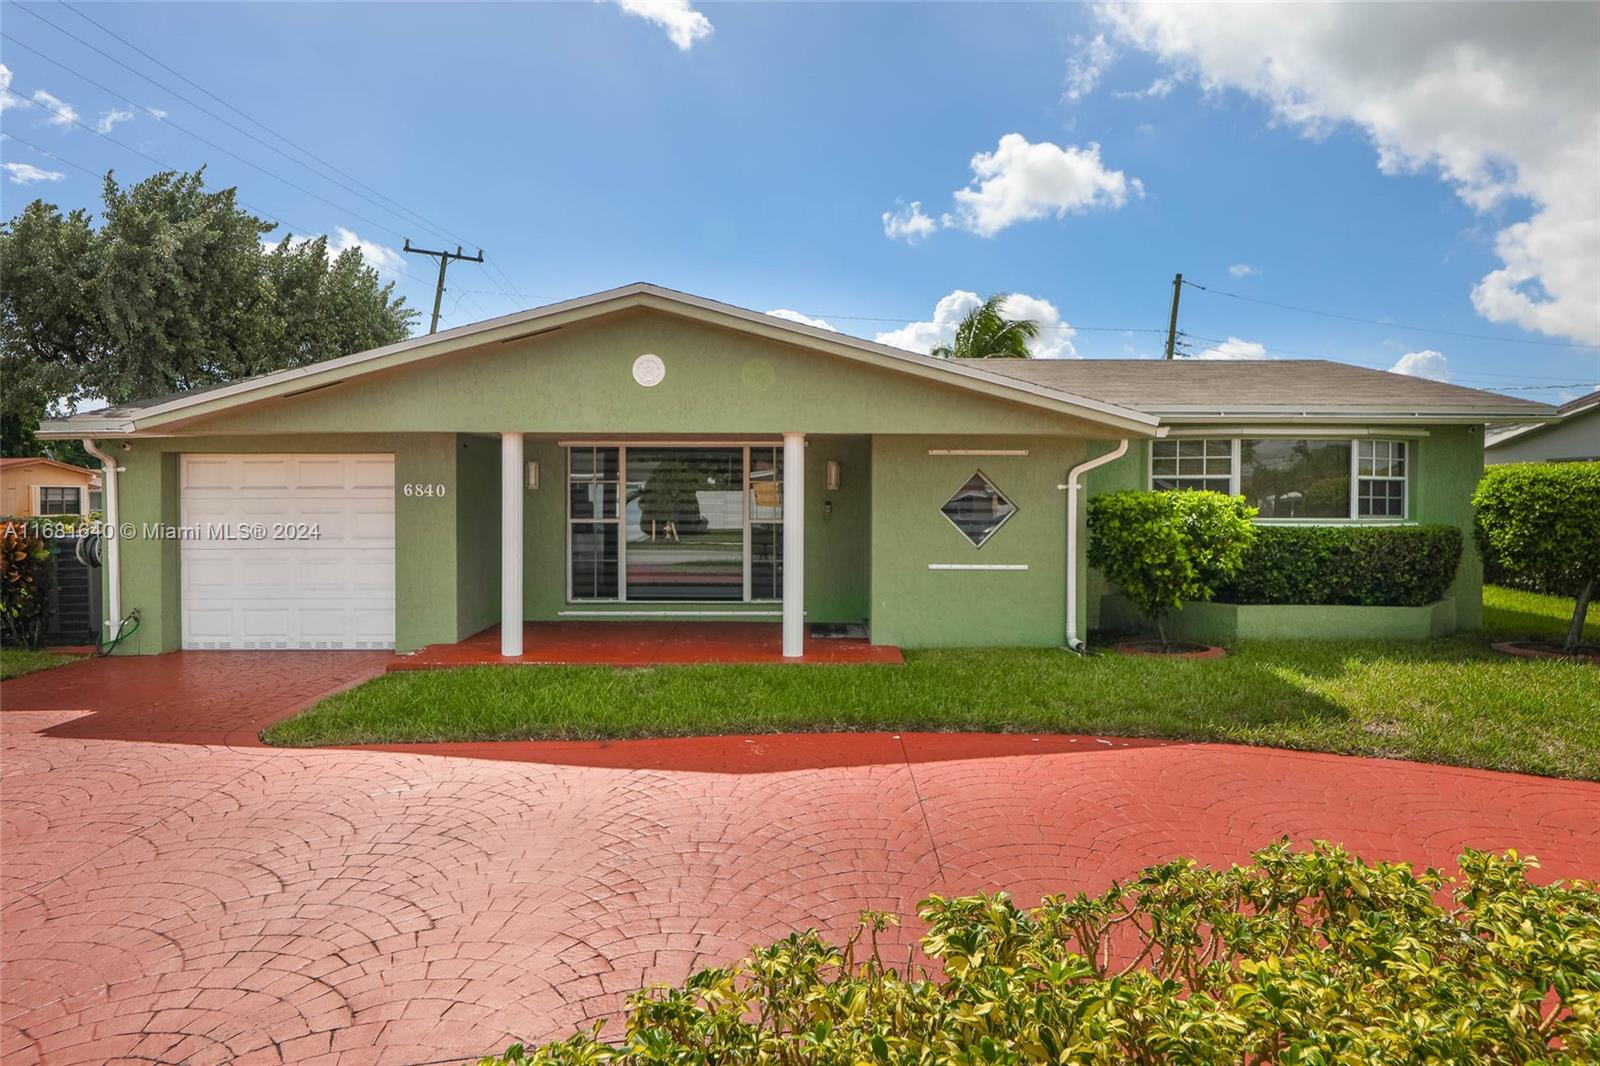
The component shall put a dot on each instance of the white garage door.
(288, 551)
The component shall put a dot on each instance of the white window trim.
(1353, 438)
(569, 446)
(1233, 465)
(38, 501)
(1356, 478)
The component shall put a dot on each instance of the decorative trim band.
(977, 566)
(670, 614)
(977, 451)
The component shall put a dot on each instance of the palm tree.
(987, 334)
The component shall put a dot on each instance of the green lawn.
(1449, 701)
(14, 662)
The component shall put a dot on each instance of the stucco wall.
(1449, 466)
(477, 510)
(425, 529)
(915, 606)
(1446, 466)
(579, 380)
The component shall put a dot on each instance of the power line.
(202, 139)
(911, 321)
(392, 203)
(1387, 325)
(70, 117)
(508, 286)
(1292, 353)
(1526, 388)
(289, 227)
(445, 258)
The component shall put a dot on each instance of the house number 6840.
(415, 488)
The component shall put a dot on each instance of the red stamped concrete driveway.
(173, 892)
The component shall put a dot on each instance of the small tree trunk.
(1161, 634)
(1580, 611)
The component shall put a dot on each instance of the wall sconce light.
(833, 475)
(533, 473)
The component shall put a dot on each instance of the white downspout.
(110, 538)
(1073, 643)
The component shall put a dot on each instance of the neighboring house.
(576, 461)
(39, 486)
(1574, 437)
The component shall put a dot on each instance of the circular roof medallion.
(648, 370)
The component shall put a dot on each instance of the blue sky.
(754, 160)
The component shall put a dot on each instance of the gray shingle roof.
(1129, 393)
(1244, 387)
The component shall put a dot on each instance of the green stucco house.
(642, 453)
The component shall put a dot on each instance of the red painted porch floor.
(645, 643)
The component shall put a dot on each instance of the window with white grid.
(1192, 464)
(1381, 478)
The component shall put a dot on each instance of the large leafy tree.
(173, 289)
(985, 333)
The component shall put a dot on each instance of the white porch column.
(794, 545)
(511, 498)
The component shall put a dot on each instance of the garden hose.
(123, 633)
(87, 550)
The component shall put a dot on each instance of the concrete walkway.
(174, 892)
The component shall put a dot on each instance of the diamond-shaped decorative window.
(978, 509)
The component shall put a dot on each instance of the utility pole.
(444, 261)
(1172, 323)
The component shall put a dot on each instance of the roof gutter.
(1197, 416)
(110, 537)
(1073, 642)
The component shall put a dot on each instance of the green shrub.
(27, 576)
(1372, 566)
(1538, 525)
(1164, 548)
(1305, 957)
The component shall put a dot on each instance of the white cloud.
(1498, 98)
(1158, 89)
(156, 112)
(1085, 68)
(109, 119)
(1020, 181)
(1242, 270)
(804, 320)
(61, 113)
(8, 101)
(1424, 364)
(684, 25)
(908, 223)
(28, 174)
(1234, 348)
(1054, 340)
(387, 260)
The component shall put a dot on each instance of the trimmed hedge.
(1538, 525)
(1310, 958)
(1163, 548)
(1367, 566)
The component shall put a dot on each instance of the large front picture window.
(1307, 479)
(1296, 478)
(652, 524)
